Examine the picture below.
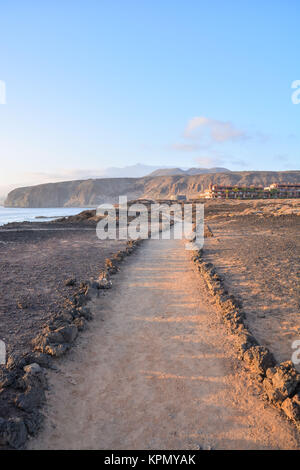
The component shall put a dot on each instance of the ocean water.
(12, 214)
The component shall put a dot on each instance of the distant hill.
(202, 171)
(132, 171)
(167, 172)
(189, 172)
(92, 192)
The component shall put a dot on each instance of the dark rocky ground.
(35, 261)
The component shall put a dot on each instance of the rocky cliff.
(92, 192)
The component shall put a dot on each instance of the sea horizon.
(39, 214)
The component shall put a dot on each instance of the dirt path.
(155, 370)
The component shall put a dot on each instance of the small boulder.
(13, 432)
(61, 319)
(80, 299)
(68, 333)
(33, 379)
(94, 284)
(7, 378)
(92, 291)
(54, 337)
(57, 350)
(244, 340)
(79, 323)
(33, 369)
(31, 399)
(85, 313)
(105, 284)
(70, 282)
(110, 266)
(259, 359)
(15, 360)
(104, 281)
(119, 256)
(233, 320)
(281, 382)
(39, 358)
(291, 407)
(33, 422)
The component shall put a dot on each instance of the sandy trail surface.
(156, 370)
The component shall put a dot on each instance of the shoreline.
(36, 214)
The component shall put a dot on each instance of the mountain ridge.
(188, 172)
(92, 192)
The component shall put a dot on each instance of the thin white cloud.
(214, 159)
(183, 147)
(216, 131)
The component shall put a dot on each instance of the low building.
(282, 190)
(216, 191)
(275, 190)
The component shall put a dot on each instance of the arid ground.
(157, 370)
(256, 248)
(35, 261)
(156, 367)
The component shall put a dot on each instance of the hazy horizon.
(124, 172)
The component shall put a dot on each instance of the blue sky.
(93, 84)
